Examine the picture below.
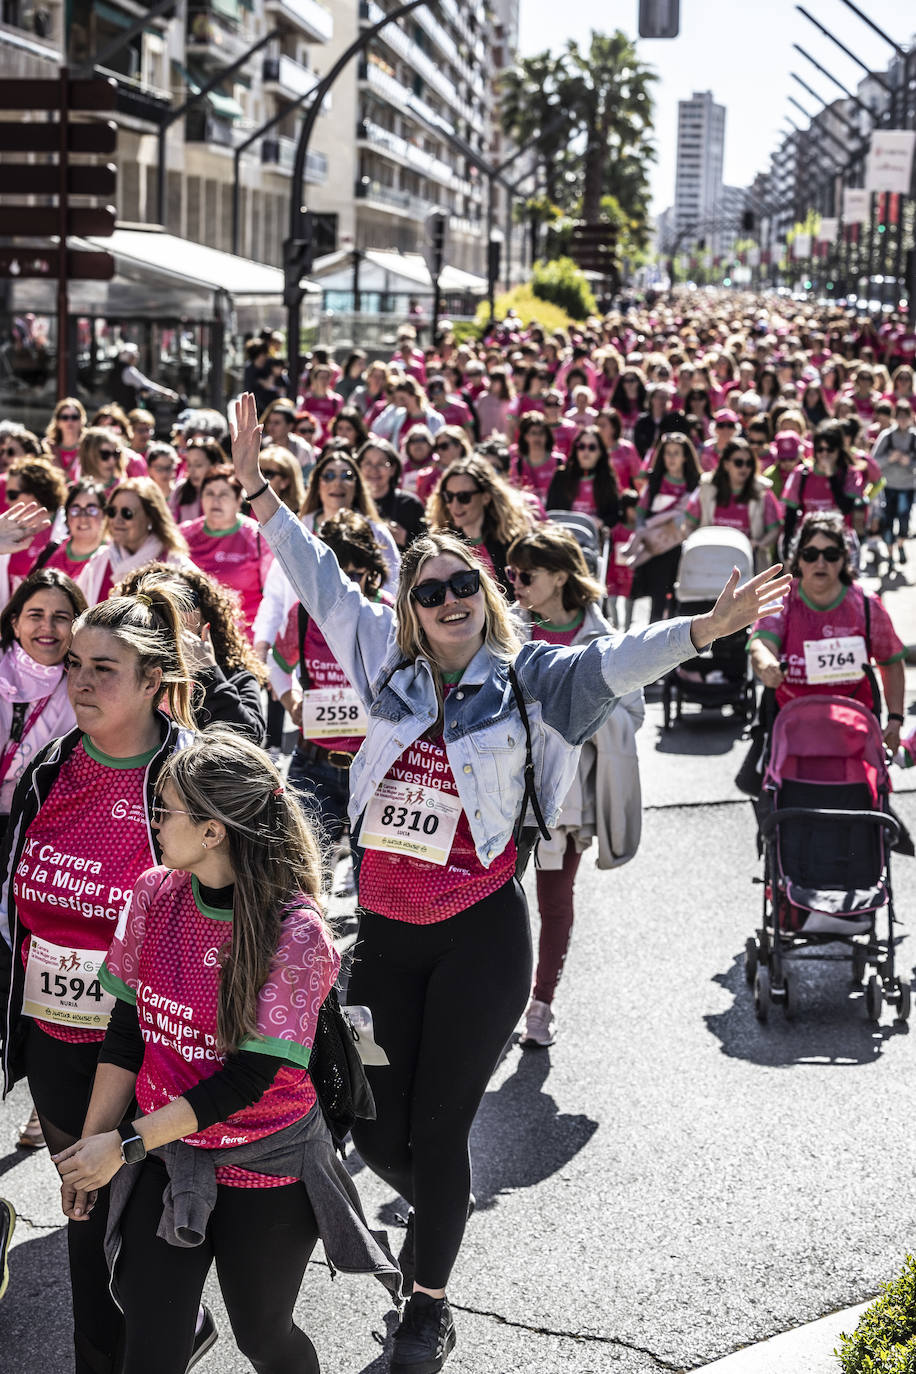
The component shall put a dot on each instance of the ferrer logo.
(123, 810)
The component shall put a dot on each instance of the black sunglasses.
(106, 453)
(125, 512)
(432, 593)
(525, 578)
(741, 462)
(68, 415)
(587, 448)
(464, 498)
(811, 555)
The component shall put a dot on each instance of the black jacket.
(31, 791)
(233, 700)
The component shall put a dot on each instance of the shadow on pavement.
(829, 1026)
(15, 1157)
(35, 1325)
(380, 1364)
(701, 734)
(520, 1137)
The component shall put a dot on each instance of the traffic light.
(659, 18)
(747, 222)
(434, 247)
(297, 262)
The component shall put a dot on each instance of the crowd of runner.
(384, 552)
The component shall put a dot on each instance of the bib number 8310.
(398, 816)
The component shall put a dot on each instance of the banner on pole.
(890, 160)
(856, 206)
(827, 231)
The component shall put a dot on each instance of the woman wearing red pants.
(553, 586)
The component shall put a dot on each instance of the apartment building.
(390, 145)
(700, 156)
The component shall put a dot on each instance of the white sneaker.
(540, 1025)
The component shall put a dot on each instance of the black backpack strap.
(303, 623)
(530, 794)
(46, 554)
(867, 668)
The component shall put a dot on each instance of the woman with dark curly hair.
(348, 424)
(219, 657)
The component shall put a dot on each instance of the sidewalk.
(805, 1350)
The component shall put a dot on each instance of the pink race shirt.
(537, 479)
(82, 855)
(404, 888)
(558, 634)
(166, 959)
(800, 623)
(584, 499)
(238, 558)
(627, 467)
(811, 490)
(619, 576)
(63, 559)
(735, 515)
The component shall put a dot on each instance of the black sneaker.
(425, 1338)
(7, 1225)
(204, 1338)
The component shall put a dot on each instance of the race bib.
(332, 712)
(622, 554)
(835, 660)
(62, 986)
(403, 818)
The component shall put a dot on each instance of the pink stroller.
(826, 830)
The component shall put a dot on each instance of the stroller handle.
(801, 813)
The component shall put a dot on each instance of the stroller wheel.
(874, 998)
(762, 992)
(859, 963)
(788, 996)
(903, 1001)
(750, 958)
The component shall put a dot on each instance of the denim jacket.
(568, 693)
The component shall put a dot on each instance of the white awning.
(380, 270)
(147, 246)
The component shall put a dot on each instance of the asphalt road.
(670, 1181)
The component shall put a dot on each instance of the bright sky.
(742, 52)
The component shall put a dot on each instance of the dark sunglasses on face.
(92, 512)
(68, 415)
(125, 512)
(811, 554)
(338, 475)
(525, 578)
(432, 593)
(741, 462)
(464, 498)
(107, 454)
(824, 448)
(587, 448)
(446, 444)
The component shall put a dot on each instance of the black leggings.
(444, 1000)
(60, 1078)
(261, 1239)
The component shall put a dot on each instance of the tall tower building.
(700, 154)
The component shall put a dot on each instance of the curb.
(804, 1350)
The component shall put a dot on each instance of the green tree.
(590, 116)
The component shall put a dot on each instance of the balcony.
(286, 77)
(279, 154)
(215, 34)
(204, 126)
(405, 152)
(308, 16)
(391, 199)
(418, 61)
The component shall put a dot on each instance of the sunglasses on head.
(464, 498)
(125, 512)
(811, 554)
(432, 592)
(516, 575)
(68, 415)
(338, 475)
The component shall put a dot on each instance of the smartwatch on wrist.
(895, 715)
(133, 1151)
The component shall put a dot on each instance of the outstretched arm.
(737, 607)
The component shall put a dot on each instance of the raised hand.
(20, 524)
(737, 607)
(245, 433)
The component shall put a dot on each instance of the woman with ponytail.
(226, 1156)
(79, 836)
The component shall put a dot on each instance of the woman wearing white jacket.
(560, 599)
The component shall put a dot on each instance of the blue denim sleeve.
(578, 687)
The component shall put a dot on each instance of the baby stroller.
(721, 675)
(587, 531)
(826, 831)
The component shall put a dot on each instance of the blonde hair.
(53, 433)
(150, 622)
(156, 511)
(288, 465)
(273, 852)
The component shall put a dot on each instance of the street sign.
(593, 247)
(40, 221)
(18, 264)
(43, 179)
(100, 136)
(96, 94)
